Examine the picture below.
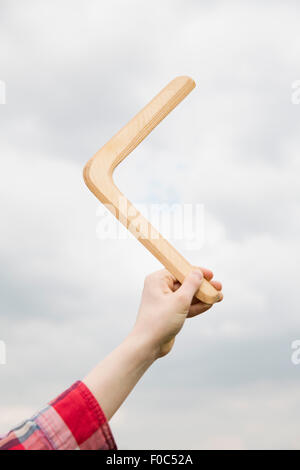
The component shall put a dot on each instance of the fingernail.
(198, 274)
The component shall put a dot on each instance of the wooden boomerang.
(98, 175)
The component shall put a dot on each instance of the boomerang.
(98, 175)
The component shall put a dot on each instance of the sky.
(75, 73)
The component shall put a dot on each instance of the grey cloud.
(75, 73)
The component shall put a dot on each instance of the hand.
(164, 307)
(166, 304)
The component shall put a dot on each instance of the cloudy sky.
(75, 72)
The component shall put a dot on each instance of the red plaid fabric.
(74, 420)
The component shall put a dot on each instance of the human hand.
(166, 304)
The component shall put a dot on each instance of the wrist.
(144, 347)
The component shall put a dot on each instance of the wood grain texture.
(98, 175)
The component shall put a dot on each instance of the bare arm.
(165, 305)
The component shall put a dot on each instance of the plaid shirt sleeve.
(74, 420)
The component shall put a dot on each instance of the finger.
(216, 284)
(207, 273)
(176, 286)
(197, 309)
(167, 281)
(189, 287)
(161, 280)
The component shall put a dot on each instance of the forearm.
(112, 379)
(161, 316)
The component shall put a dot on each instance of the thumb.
(189, 287)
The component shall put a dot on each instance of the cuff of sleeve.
(84, 418)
